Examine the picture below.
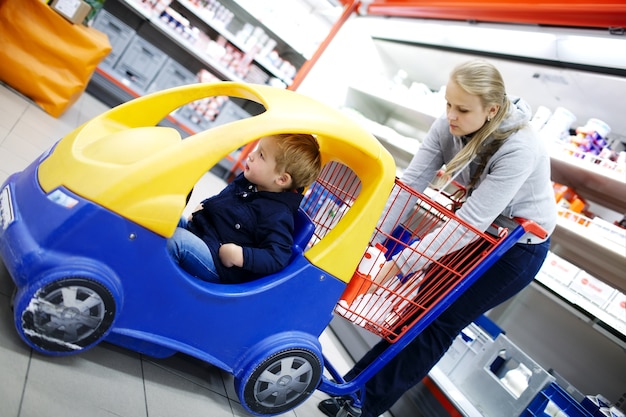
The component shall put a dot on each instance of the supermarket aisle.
(105, 381)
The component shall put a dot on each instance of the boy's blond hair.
(298, 155)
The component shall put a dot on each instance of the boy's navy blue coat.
(261, 222)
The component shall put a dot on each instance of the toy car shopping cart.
(441, 254)
(95, 268)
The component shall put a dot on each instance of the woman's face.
(465, 111)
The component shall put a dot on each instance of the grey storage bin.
(119, 34)
(496, 384)
(229, 113)
(191, 119)
(172, 75)
(140, 63)
(467, 346)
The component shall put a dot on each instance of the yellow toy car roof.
(124, 162)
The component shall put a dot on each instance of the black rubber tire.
(282, 381)
(66, 315)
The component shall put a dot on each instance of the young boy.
(246, 231)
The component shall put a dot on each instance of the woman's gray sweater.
(515, 182)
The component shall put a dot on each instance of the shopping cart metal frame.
(503, 234)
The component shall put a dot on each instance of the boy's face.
(260, 166)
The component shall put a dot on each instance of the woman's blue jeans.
(192, 253)
(505, 278)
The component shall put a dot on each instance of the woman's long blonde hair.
(482, 79)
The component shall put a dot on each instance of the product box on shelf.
(617, 306)
(503, 380)
(256, 75)
(559, 269)
(592, 289)
(74, 11)
(608, 231)
(554, 401)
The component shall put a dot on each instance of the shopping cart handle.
(532, 227)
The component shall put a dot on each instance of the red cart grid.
(434, 247)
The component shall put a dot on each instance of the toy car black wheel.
(65, 316)
(282, 381)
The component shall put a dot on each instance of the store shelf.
(232, 38)
(605, 260)
(401, 147)
(590, 181)
(285, 48)
(138, 8)
(194, 50)
(399, 126)
(380, 103)
(198, 48)
(582, 307)
(105, 82)
(600, 256)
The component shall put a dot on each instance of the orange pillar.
(350, 8)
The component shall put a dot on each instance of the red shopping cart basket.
(438, 251)
(440, 256)
(435, 249)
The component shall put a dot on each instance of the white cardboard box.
(73, 10)
(617, 306)
(592, 288)
(559, 269)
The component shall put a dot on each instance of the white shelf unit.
(196, 15)
(379, 110)
(192, 9)
(194, 52)
(590, 180)
(132, 22)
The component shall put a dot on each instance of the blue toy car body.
(84, 229)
